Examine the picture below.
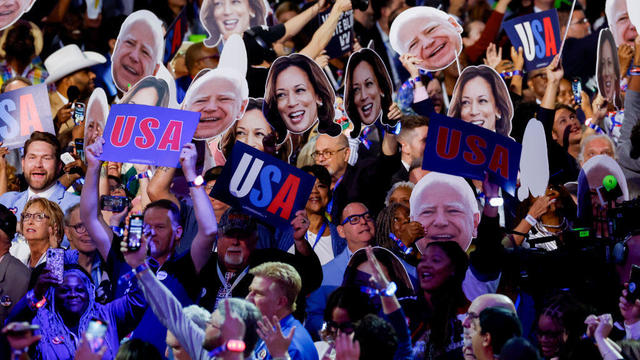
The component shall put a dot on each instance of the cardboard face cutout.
(368, 89)
(221, 18)
(97, 112)
(12, 10)
(298, 94)
(220, 95)
(608, 68)
(431, 35)
(481, 97)
(138, 50)
(534, 166)
(619, 20)
(150, 91)
(633, 8)
(164, 74)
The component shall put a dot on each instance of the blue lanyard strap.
(333, 193)
(324, 226)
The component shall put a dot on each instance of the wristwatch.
(197, 182)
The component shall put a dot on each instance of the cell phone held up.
(55, 263)
(114, 203)
(95, 334)
(78, 110)
(634, 284)
(135, 233)
(576, 87)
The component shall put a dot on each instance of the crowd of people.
(387, 259)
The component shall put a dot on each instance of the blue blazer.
(15, 201)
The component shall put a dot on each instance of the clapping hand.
(276, 341)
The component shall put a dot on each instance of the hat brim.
(91, 58)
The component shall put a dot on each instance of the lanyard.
(224, 282)
(333, 197)
(306, 236)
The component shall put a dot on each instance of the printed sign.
(144, 134)
(262, 185)
(539, 36)
(459, 148)
(21, 114)
(342, 40)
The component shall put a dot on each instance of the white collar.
(406, 166)
(43, 194)
(63, 98)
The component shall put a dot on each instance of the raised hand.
(233, 327)
(346, 349)
(135, 258)
(84, 351)
(93, 152)
(630, 310)
(300, 225)
(517, 58)
(188, 158)
(410, 62)
(378, 277)
(554, 71)
(277, 343)
(493, 56)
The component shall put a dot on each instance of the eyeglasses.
(39, 217)
(355, 219)
(79, 228)
(472, 316)
(326, 153)
(581, 21)
(345, 327)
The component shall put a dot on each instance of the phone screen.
(634, 284)
(135, 232)
(95, 334)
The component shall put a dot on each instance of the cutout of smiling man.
(12, 10)
(138, 50)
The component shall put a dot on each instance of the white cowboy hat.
(68, 60)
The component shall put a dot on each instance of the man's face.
(413, 144)
(207, 59)
(219, 103)
(173, 346)
(565, 92)
(435, 94)
(83, 80)
(579, 27)
(212, 334)
(234, 249)
(597, 147)
(433, 40)
(477, 340)
(11, 10)
(331, 154)
(359, 229)
(39, 165)
(162, 237)
(266, 295)
(564, 119)
(445, 215)
(623, 31)
(471, 326)
(537, 81)
(77, 234)
(134, 56)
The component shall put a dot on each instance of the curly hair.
(384, 225)
(498, 89)
(321, 86)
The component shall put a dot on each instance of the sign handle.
(566, 31)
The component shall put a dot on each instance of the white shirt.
(43, 194)
(63, 98)
(323, 249)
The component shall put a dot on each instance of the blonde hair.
(52, 210)
(285, 275)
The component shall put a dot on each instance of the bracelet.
(231, 345)
(531, 220)
(33, 304)
(393, 129)
(506, 74)
(143, 175)
(117, 230)
(635, 70)
(141, 268)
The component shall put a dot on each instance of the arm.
(202, 244)
(296, 23)
(389, 141)
(518, 64)
(3, 169)
(324, 33)
(554, 75)
(159, 185)
(475, 51)
(89, 209)
(143, 185)
(537, 209)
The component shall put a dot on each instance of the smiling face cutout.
(97, 112)
(12, 10)
(608, 68)
(431, 35)
(221, 18)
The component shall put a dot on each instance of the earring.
(320, 103)
(382, 95)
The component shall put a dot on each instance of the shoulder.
(11, 195)
(16, 267)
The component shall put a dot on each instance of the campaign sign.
(459, 148)
(539, 36)
(342, 40)
(143, 134)
(22, 112)
(262, 186)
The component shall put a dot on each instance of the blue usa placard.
(143, 134)
(459, 148)
(22, 112)
(539, 36)
(262, 186)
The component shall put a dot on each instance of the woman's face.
(550, 336)
(434, 89)
(366, 93)
(400, 195)
(318, 199)
(478, 105)
(434, 269)
(252, 128)
(232, 16)
(72, 296)
(400, 218)
(296, 99)
(565, 92)
(608, 76)
(32, 228)
(144, 96)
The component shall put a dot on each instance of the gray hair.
(589, 139)
(402, 184)
(250, 314)
(199, 315)
(67, 214)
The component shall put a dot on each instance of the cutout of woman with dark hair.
(368, 90)
(221, 18)
(608, 69)
(481, 97)
(148, 91)
(297, 95)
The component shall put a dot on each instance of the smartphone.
(79, 142)
(55, 262)
(19, 328)
(67, 158)
(78, 112)
(576, 86)
(95, 334)
(135, 233)
(634, 284)
(113, 203)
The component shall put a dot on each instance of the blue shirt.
(301, 347)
